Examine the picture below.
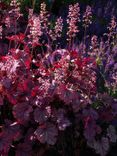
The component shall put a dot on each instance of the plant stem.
(33, 4)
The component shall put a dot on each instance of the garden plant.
(57, 91)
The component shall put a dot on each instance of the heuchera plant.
(49, 92)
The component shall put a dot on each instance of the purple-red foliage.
(46, 92)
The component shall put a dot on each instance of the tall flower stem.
(33, 4)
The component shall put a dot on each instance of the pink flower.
(73, 18)
(35, 28)
(1, 31)
(87, 17)
(44, 16)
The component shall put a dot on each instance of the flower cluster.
(73, 19)
(87, 17)
(44, 16)
(1, 32)
(35, 29)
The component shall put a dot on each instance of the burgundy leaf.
(40, 115)
(9, 133)
(22, 111)
(90, 131)
(111, 133)
(63, 124)
(47, 133)
(62, 120)
(90, 112)
(6, 82)
(101, 146)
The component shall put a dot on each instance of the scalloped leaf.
(47, 133)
